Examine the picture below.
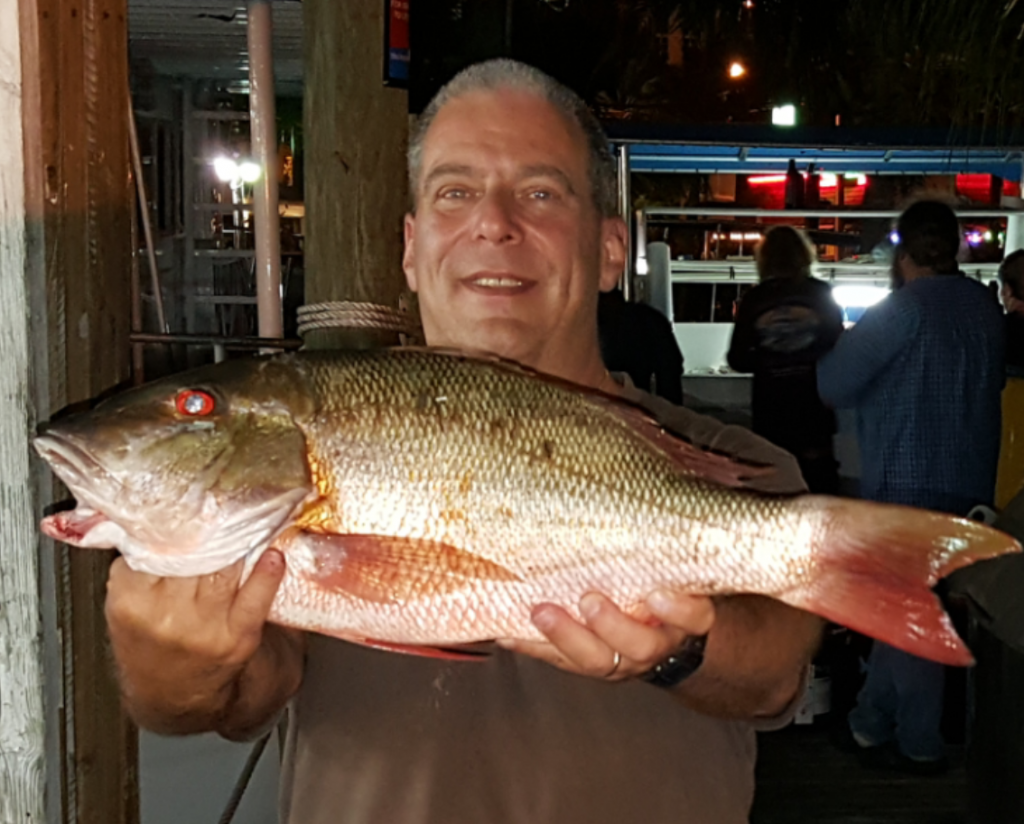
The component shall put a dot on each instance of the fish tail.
(877, 564)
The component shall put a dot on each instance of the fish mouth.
(82, 526)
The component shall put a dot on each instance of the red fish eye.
(194, 402)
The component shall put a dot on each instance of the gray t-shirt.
(380, 738)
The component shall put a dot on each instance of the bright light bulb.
(225, 169)
(249, 171)
(737, 70)
(784, 115)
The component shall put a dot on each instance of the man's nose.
(496, 219)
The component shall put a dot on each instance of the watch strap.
(680, 665)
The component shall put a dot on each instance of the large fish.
(425, 499)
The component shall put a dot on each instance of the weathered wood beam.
(356, 133)
(78, 203)
(22, 733)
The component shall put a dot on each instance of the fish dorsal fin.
(387, 569)
(691, 460)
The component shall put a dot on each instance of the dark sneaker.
(841, 737)
(890, 758)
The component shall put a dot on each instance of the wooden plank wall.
(74, 60)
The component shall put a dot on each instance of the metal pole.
(263, 123)
(626, 211)
(147, 229)
(138, 360)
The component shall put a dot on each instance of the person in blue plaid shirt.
(924, 369)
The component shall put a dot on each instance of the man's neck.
(589, 371)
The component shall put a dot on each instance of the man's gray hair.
(503, 73)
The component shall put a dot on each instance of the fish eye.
(195, 403)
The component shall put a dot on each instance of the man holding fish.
(627, 700)
(512, 236)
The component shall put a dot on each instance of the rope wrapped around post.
(356, 315)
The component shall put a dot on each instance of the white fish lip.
(70, 463)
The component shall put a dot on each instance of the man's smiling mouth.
(498, 282)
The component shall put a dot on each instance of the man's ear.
(613, 251)
(409, 253)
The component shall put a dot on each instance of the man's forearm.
(237, 707)
(754, 659)
(265, 685)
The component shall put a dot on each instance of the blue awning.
(774, 160)
(768, 151)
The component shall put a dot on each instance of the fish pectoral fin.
(453, 653)
(387, 569)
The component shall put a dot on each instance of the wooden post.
(356, 133)
(23, 764)
(77, 202)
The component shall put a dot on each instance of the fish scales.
(544, 481)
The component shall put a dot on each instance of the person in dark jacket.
(784, 325)
(637, 339)
(1011, 294)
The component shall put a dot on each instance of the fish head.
(189, 473)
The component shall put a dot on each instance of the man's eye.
(453, 194)
(541, 194)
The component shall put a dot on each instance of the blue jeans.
(902, 699)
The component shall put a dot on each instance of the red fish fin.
(442, 653)
(388, 570)
(878, 563)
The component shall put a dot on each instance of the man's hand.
(757, 651)
(196, 654)
(590, 648)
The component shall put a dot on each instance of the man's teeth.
(498, 282)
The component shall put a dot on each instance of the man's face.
(506, 248)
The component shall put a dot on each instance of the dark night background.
(946, 64)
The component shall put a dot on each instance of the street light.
(236, 172)
(736, 70)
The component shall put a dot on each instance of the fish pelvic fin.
(878, 563)
(389, 570)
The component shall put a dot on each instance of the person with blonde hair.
(784, 325)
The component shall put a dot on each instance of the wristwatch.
(680, 665)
